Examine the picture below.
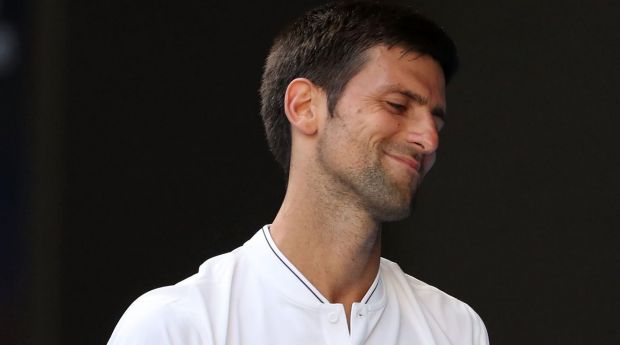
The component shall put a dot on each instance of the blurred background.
(132, 150)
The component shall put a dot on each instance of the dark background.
(135, 151)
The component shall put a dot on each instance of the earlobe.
(298, 106)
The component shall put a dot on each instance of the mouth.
(409, 162)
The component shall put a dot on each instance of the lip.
(408, 161)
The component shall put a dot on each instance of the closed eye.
(400, 108)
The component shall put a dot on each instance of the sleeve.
(151, 321)
(479, 331)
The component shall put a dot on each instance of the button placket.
(333, 317)
(359, 323)
(335, 329)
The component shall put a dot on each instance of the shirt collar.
(285, 277)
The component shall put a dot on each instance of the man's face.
(383, 135)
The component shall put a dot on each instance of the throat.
(341, 264)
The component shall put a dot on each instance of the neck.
(334, 244)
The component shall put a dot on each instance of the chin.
(392, 215)
(396, 205)
(392, 210)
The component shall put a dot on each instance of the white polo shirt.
(254, 295)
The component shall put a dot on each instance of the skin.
(357, 168)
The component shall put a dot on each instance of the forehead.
(394, 69)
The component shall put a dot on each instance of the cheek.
(389, 123)
(383, 127)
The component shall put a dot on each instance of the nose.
(422, 132)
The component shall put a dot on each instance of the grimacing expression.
(383, 135)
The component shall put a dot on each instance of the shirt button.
(333, 317)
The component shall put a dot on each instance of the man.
(352, 101)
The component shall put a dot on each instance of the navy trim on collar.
(373, 291)
(290, 269)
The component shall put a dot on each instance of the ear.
(298, 106)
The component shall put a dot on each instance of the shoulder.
(455, 318)
(161, 316)
(180, 313)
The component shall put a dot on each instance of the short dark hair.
(328, 46)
